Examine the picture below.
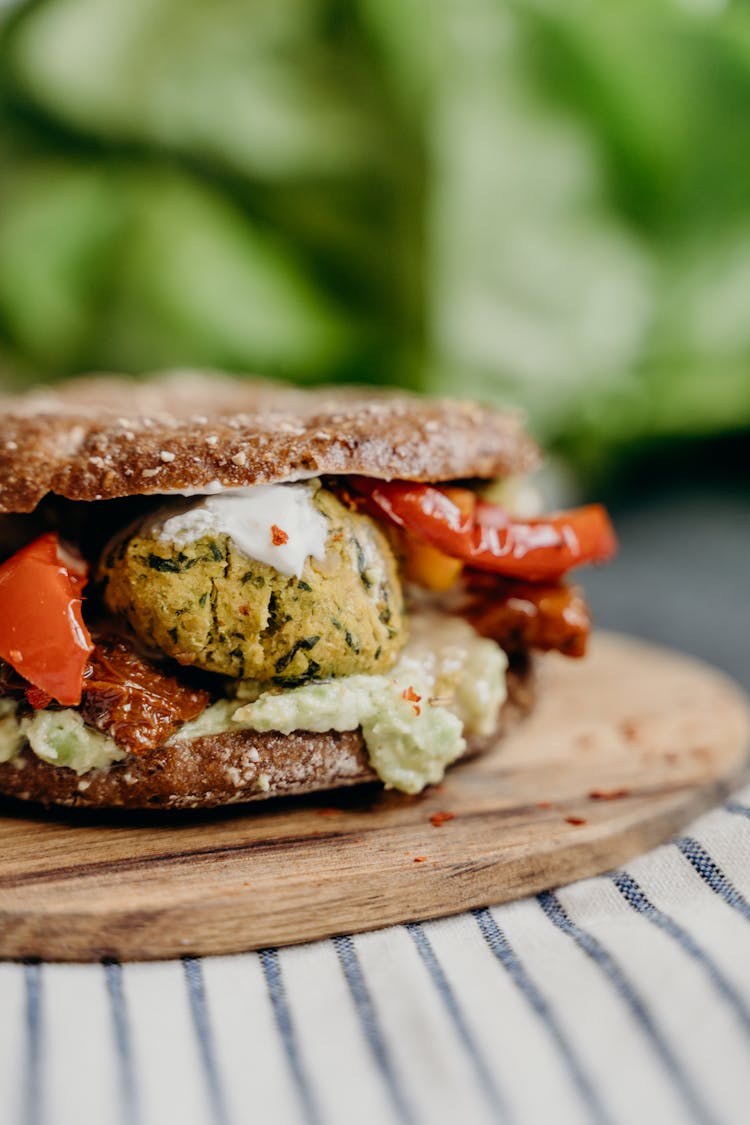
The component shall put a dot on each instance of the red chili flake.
(420, 858)
(575, 820)
(243, 610)
(37, 697)
(278, 536)
(411, 696)
(608, 794)
(328, 812)
(438, 819)
(544, 804)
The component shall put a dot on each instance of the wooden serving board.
(622, 750)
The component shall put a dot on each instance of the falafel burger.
(215, 591)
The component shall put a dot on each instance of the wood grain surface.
(622, 750)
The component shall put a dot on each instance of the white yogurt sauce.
(213, 487)
(277, 524)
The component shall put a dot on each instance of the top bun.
(103, 436)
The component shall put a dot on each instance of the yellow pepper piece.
(426, 566)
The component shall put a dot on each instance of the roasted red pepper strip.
(486, 537)
(42, 634)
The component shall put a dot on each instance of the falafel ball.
(206, 604)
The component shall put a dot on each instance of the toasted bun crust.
(104, 437)
(225, 769)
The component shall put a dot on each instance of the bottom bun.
(226, 769)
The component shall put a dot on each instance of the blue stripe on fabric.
(737, 808)
(360, 993)
(448, 996)
(129, 1101)
(199, 1011)
(711, 873)
(510, 961)
(593, 948)
(269, 959)
(31, 1112)
(635, 897)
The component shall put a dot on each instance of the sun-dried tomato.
(521, 615)
(132, 701)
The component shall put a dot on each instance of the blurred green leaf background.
(533, 202)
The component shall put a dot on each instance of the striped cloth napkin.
(624, 998)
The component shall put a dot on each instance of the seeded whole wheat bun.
(104, 437)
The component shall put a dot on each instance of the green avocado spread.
(58, 737)
(448, 682)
